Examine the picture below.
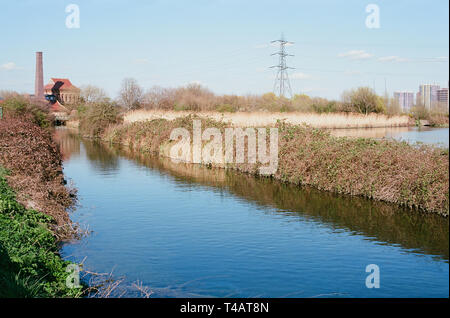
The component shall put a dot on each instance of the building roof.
(57, 107)
(67, 84)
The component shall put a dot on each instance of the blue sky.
(224, 44)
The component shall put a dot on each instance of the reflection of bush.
(101, 156)
(382, 221)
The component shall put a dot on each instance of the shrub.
(19, 106)
(363, 100)
(29, 262)
(95, 118)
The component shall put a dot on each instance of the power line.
(282, 84)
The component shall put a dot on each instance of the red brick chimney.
(39, 80)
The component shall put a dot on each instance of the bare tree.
(130, 95)
(93, 94)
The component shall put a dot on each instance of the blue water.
(193, 232)
(439, 136)
(424, 135)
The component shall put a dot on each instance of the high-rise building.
(405, 100)
(39, 79)
(442, 97)
(428, 95)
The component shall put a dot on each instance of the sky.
(226, 44)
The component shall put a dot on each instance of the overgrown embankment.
(30, 265)
(412, 176)
(34, 161)
(33, 212)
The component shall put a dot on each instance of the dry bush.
(20, 107)
(34, 162)
(438, 119)
(195, 97)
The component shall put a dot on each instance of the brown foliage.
(34, 163)
(195, 97)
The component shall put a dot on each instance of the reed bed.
(263, 119)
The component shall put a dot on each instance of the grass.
(30, 265)
(413, 176)
(262, 119)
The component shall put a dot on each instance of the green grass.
(30, 265)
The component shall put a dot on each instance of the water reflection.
(378, 221)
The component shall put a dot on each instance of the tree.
(130, 95)
(363, 100)
(93, 94)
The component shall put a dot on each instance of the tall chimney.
(39, 80)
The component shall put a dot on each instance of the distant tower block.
(39, 80)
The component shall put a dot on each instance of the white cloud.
(352, 73)
(392, 58)
(356, 55)
(300, 75)
(141, 61)
(8, 66)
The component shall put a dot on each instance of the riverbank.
(411, 176)
(30, 264)
(33, 213)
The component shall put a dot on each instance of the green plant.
(19, 106)
(30, 265)
(97, 117)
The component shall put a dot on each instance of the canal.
(188, 231)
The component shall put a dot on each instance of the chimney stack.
(39, 80)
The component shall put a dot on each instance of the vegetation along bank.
(414, 176)
(33, 207)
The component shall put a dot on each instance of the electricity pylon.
(282, 85)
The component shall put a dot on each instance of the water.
(426, 135)
(188, 231)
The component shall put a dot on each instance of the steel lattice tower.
(282, 85)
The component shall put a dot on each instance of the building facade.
(405, 100)
(442, 97)
(428, 96)
(68, 93)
